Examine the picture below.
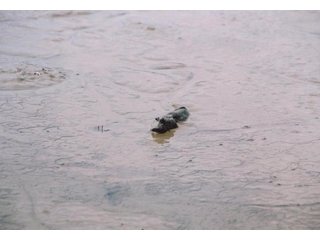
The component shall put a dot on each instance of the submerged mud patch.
(29, 76)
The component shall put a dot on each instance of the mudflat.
(79, 92)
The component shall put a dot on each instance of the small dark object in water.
(101, 129)
(170, 120)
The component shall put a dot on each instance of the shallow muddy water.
(79, 92)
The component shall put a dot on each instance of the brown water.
(79, 92)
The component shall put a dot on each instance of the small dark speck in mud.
(151, 28)
(246, 127)
(220, 144)
(250, 140)
(102, 129)
(264, 138)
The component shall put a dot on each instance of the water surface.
(79, 92)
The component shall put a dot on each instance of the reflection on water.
(163, 138)
(80, 89)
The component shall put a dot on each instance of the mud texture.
(79, 92)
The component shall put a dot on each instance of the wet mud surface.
(79, 92)
(24, 77)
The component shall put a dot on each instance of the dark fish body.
(179, 114)
(170, 120)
